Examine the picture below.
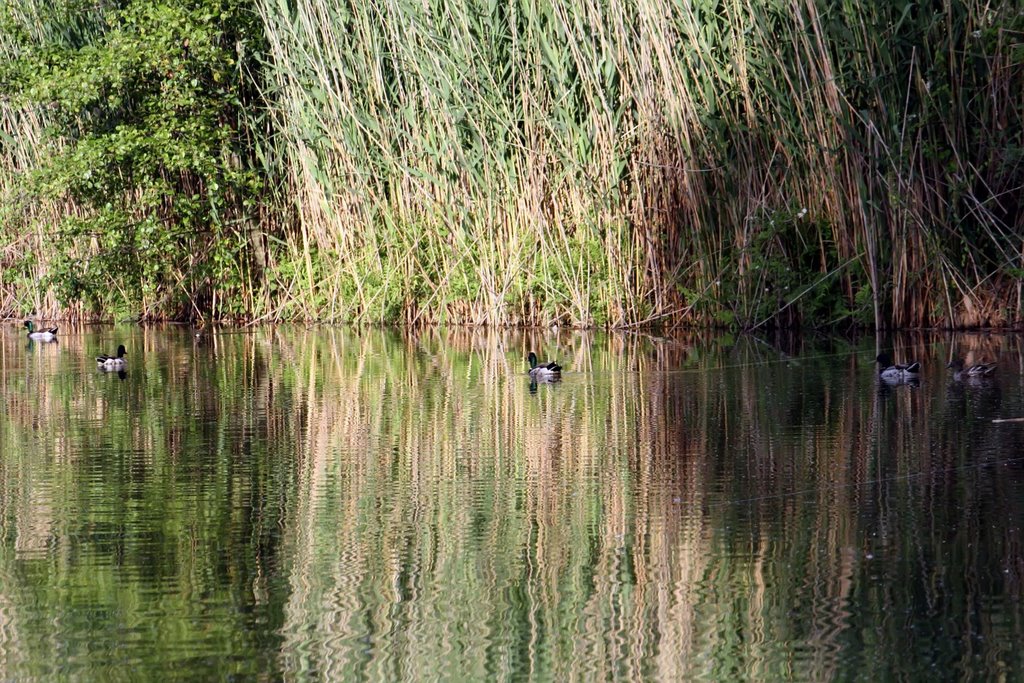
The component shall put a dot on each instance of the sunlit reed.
(621, 164)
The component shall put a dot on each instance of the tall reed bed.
(618, 164)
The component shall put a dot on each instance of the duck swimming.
(973, 372)
(49, 334)
(896, 373)
(113, 362)
(544, 372)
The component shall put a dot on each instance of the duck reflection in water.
(30, 347)
(121, 374)
(886, 386)
(534, 383)
(899, 382)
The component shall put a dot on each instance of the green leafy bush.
(145, 138)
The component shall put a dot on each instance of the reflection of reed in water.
(120, 505)
(518, 511)
(671, 518)
(490, 507)
(400, 506)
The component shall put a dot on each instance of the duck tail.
(913, 367)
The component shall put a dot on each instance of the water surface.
(290, 503)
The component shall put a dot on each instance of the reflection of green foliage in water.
(387, 507)
(144, 532)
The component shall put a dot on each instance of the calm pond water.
(295, 504)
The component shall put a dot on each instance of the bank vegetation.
(578, 162)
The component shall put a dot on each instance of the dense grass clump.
(584, 163)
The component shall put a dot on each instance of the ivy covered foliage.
(147, 139)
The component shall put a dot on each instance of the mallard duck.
(544, 372)
(896, 373)
(113, 362)
(974, 371)
(49, 334)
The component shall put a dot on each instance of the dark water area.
(293, 504)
